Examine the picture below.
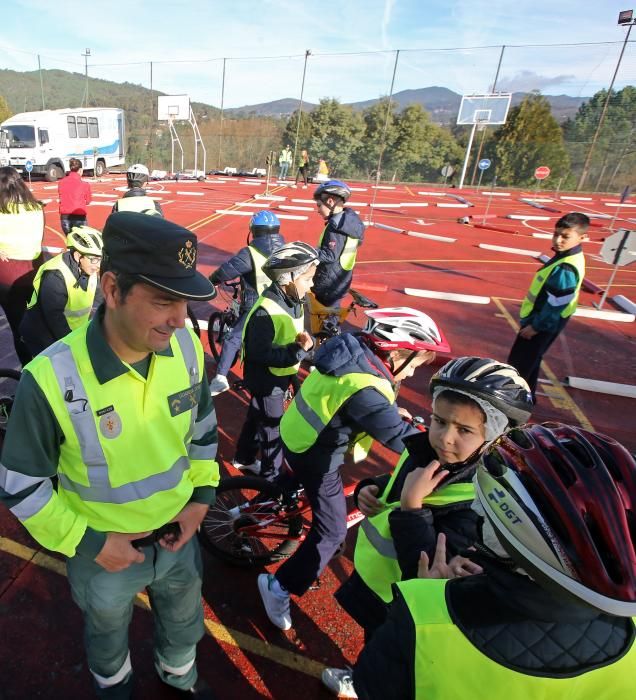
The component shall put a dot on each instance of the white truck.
(50, 138)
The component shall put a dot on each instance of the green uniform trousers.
(173, 583)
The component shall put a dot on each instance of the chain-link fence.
(336, 107)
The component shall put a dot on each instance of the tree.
(368, 152)
(304, 133)
(5, 112)
(531, 137)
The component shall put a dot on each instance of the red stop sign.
(542, 172)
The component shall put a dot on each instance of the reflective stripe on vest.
(21, 233)
(577, 261)
(78, 302)
(320, 397)
(138, 203)
(124, 461)
(286, 329)
(348, 256)
(447, 665)
(375, 558)
(258, 260)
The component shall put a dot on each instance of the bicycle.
(9, 379)
(255, 522)
(326, 321)
(221, 322)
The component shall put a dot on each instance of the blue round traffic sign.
(28, 166)
(484, 164)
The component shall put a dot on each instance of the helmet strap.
(409, 359)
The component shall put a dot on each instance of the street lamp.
(86, 54)
(625, 18)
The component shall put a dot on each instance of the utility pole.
(86, 54)
(625, 18)
(218, 166)
(41, 82)
(300, 107)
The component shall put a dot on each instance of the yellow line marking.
(557, 395)
(57, 233)
(216, 630)
(409, 190)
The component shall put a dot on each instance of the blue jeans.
(284, 168)
(231, 346)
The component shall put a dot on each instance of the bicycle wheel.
(249, 524)
(9, 379)
(194, 321)
(216, 329)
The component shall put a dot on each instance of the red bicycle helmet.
(562, 501)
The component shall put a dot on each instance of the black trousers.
(67, 222)
(526, 355)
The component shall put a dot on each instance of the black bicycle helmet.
(289, 258)
(495, 382)
(333, 187)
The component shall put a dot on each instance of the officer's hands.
(420, 483)
(527, 332)
(117, 553)
(367, 502)
(189, 520)
(305, 340)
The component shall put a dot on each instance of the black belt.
(170, 530)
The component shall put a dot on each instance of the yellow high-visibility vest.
(577, 261)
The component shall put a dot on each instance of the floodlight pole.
(588, 160)
(300, 107)
(86, 54)
(218, 166)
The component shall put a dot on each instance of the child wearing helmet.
(430, 490)
(137, 199)
(64, 290)
(342, 406)
(338, 245)
(274, 342)
(263, 239)
(552, 614)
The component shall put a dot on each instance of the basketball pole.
(467, 157)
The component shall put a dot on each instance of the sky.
(353, 45)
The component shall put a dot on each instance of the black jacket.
(260, 351)
(240, 265)
(508, 618)
(367, 411)
(331, 282)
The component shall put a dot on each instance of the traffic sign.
(448, 170)
(542, 172)
(28, 166)
(620, 248)
(484, 164)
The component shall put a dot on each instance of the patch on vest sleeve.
(110, 424)
(184, 400)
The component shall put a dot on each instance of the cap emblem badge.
(188, 255)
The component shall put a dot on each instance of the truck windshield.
(20, 136)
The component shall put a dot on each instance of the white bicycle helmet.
(85, 240)
(289, 261)
(137, 173)
(403, 327)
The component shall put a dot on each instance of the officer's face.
(143, 322)
(456, 431)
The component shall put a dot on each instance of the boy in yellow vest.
(63, 291)
(552, 616)
(552, 297)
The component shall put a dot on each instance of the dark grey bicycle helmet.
(291, 258)
(495, 382)
(333, 187)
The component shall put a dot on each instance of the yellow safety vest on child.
(577, 261)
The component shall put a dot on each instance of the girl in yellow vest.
(63, 291)
(21, 233)
(552, 616)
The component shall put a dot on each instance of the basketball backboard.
(173, 107)
(484, 109)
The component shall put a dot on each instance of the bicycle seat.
(362, 301)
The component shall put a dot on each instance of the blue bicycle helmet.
(264, 223)
(333, 187)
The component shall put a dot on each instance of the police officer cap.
(159, 252)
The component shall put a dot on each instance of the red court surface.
(242, 654)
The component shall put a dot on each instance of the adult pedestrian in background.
(284, 161)
(74, 195)
(21, 233)
(303, 168)
(120, 412)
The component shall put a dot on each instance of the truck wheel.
(53, 173)
(100, 168)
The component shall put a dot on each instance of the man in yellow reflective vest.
(552, 616)
(136, 198)
(552, 297)
(338, 245)
(274, 343)
(119, 413)
(63, 291)
(247, 265)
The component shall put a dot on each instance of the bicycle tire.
(194, 321)
(242, 502)
(217, 328)
(9, 379)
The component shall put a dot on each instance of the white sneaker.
(339, 681)
(304, 187)
(219, 384)
(276, 606)
(254, 467)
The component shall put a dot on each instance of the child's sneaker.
(276, 604)
(254, 467)
(339, 681)
(219, 384)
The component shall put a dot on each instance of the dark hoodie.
(367, 411)
(331, 282)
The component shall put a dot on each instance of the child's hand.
(305, 341)
(461, 566)
(420, 483)
(367, 502)
(527, 332)
(439, 568)
(405, 415)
